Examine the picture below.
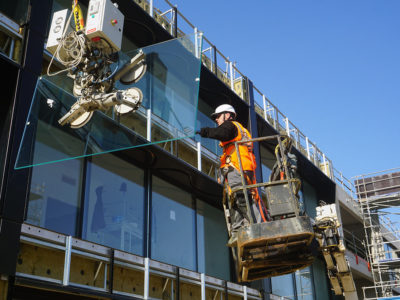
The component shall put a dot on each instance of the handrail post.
(151, 8)
(215, 59)
(265, 108)
(287, 126)
(175, 21)
(231, 74)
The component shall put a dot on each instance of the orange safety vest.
(229, 156)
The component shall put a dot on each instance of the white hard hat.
(223, 108)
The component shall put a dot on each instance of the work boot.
(233, 240)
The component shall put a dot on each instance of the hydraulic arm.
(331, 245)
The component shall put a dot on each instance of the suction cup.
(133, 96)
(134, 74)
(82, 120)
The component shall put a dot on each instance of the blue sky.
(332, 67)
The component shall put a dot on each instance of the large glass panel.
(173, 238)
(211, 241)
(204, 120)
(210, 144)
(54, 198)
(283, 286)
(114, 204)
(169, 87)
(304, 284)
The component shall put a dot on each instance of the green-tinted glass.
(169, 85)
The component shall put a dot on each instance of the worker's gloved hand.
(203, 132)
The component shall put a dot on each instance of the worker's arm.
(225, 132)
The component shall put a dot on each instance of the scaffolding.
(379, 197)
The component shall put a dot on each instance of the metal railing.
(354, 244)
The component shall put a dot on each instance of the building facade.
(148, 221)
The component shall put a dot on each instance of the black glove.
(203, 132)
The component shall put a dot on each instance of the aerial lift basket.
(283, 244)
(274, 248)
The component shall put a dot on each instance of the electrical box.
(57, 29)
(104, 24)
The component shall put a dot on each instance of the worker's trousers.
(239, 215)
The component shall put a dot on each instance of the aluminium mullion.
(203, 286)
(105, 276)
(67, 260)
(146, 279)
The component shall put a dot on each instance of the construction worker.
(228, 132)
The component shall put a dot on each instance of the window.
(304, 284)
(114, 204)
(173, 238)
(283, 286)
(55, 193)
(211, 239)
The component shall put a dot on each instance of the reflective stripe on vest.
(229, 156)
